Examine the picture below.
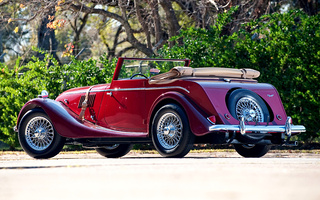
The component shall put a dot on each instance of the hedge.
(19, 85)
(285, 48)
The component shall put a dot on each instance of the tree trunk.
(156, 20)
(309, 6)
(142, 20)
(260, 9)
(129, 31)
(77, 32)
(172, 20)
(1, 49)
(46, 39)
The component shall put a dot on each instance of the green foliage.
(17, 88)
(16, 91)
(288, 57)
(80, 73)
(205, 48)
(285, 48)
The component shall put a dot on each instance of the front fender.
(199, 124)
(30, 105)
(66, 122)
(55, 111)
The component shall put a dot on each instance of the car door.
(123, 106)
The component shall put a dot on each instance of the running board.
(98, 142)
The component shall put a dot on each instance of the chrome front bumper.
(288, 128)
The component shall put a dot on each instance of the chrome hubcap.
(249, 109)
(39, 133)
(169, 130)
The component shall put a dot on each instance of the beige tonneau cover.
(178, 72)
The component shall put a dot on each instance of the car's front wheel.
(114, 150)
(252, 150)
(170, 132)
(37, 136)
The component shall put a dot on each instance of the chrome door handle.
(109, 93)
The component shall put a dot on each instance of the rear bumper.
(288, 128)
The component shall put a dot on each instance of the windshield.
(148, 67)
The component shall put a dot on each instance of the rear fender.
(199, 124)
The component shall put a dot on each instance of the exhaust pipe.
(291, 143)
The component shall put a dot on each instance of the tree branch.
(129, 31)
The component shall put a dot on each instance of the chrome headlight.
(44, 94)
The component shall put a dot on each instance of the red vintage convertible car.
(164, 102)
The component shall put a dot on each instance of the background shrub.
(285, 48)
(26, 82)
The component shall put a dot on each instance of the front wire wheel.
(170, 132)
(114, 150)
(37, 136)
(39, 133)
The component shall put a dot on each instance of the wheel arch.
(158, 106)
(47, 106)
(26, 109)
(198, 123)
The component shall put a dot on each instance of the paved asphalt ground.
(198, 176)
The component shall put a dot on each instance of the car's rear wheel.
(247, 104)
(170, 132)
(251, 150)
(114, 150)
(37, 136)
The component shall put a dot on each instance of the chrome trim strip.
(153, 88)
(77, 92)
(120, 132)
(131, 89)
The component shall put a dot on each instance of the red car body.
(123, 112)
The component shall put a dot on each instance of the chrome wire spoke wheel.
(249, 105)
(249, 109)
(39, 133)
(169, 130)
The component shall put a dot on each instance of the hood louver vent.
(90, 100)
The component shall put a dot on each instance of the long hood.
(73, 98)
(83, 90)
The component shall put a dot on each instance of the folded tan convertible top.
(178, 72)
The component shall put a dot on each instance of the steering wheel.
(138, 74)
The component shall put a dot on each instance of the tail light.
(212, 119)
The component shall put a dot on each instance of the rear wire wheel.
(170, 132)
(252, 151)
(248, 104)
